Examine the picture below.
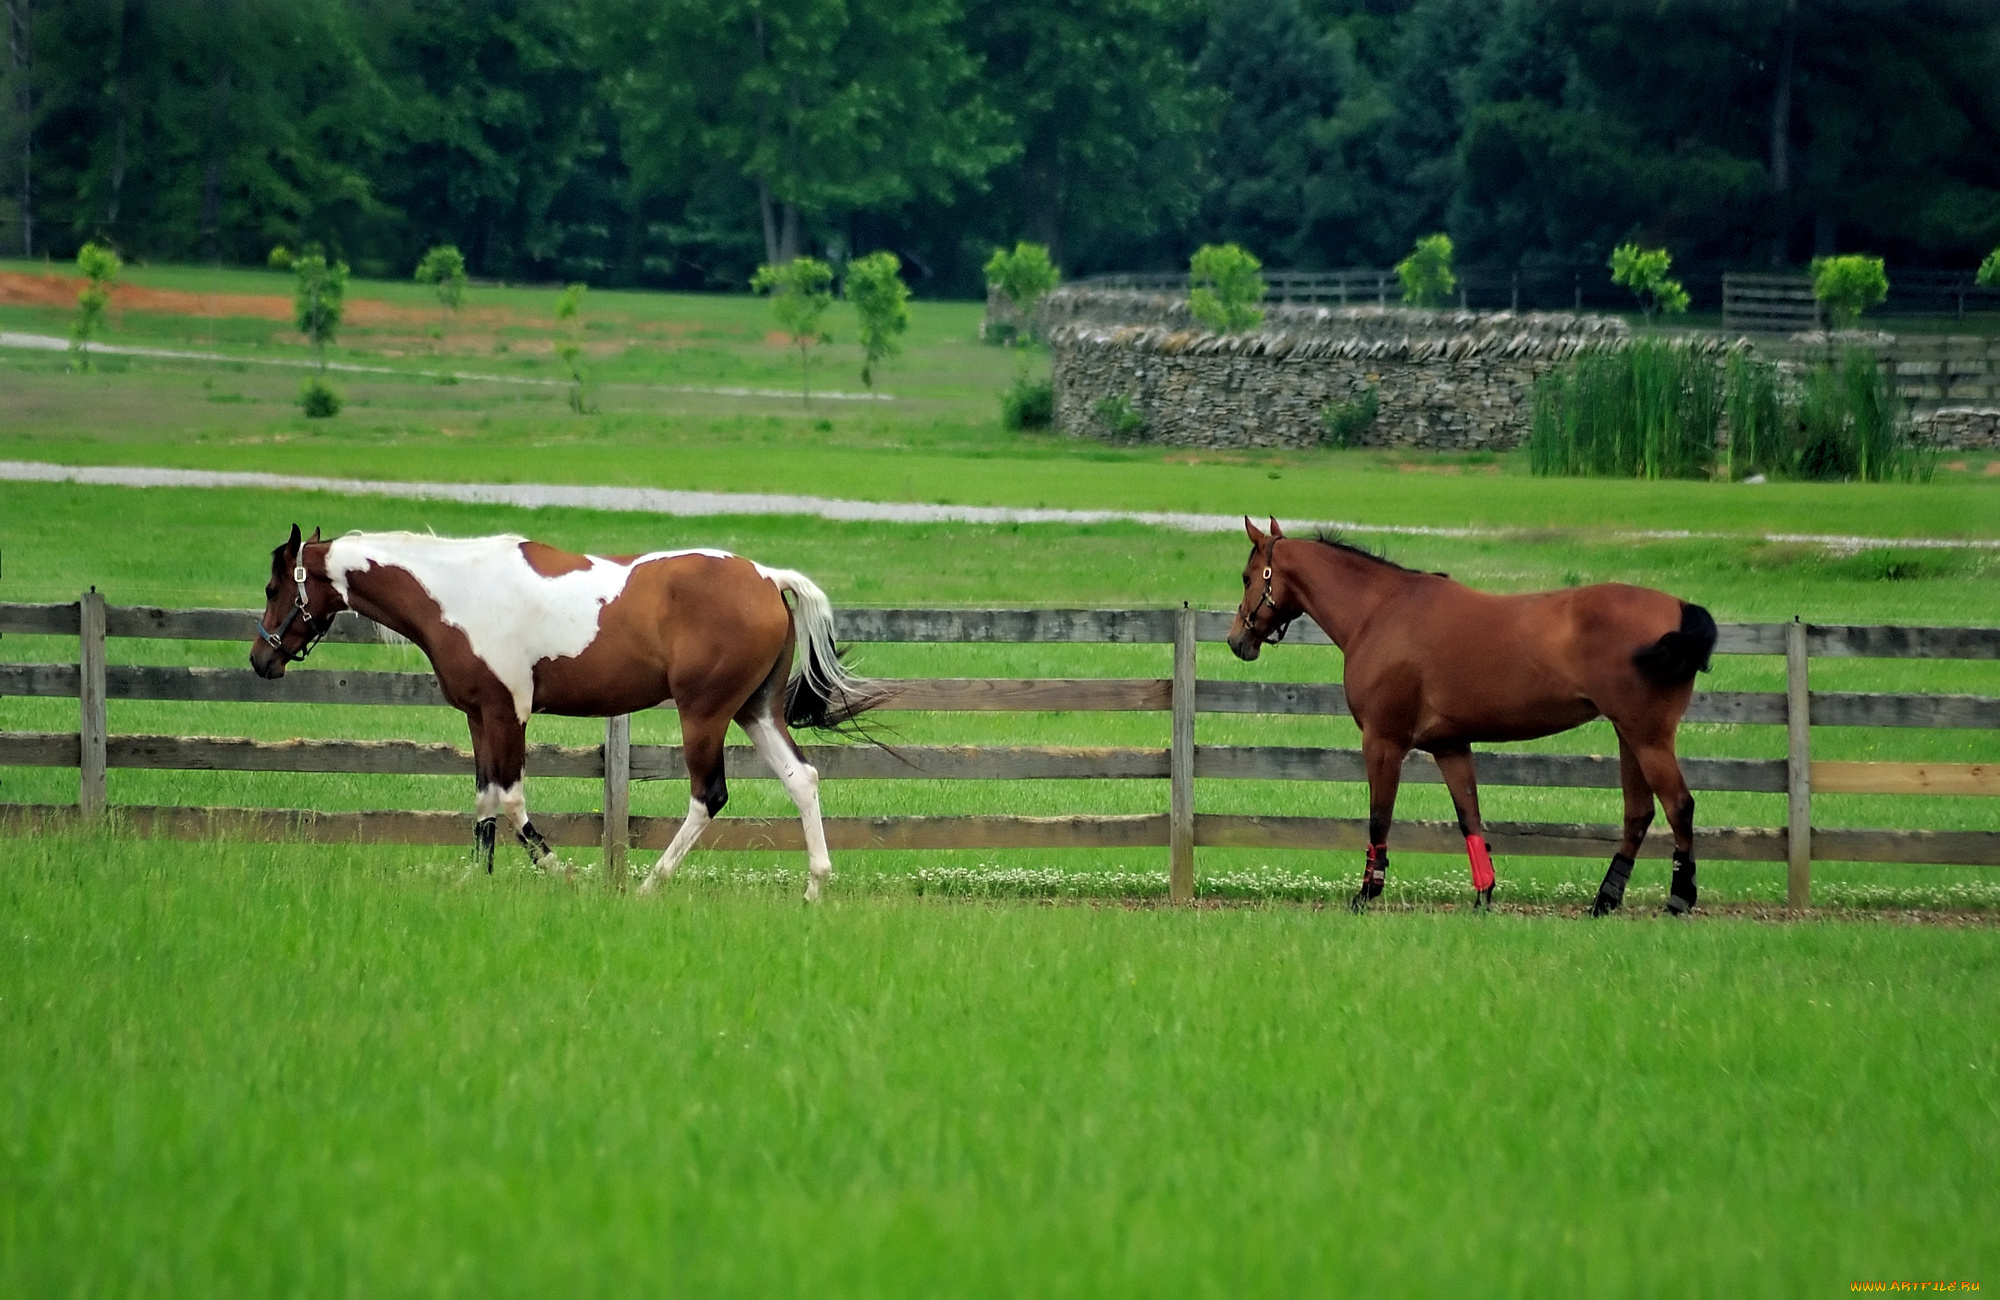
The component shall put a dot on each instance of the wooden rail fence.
(93, 681)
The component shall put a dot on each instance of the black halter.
(276, 640)
(1278, 629)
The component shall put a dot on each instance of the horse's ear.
(1256, 538)
(1276, 532)
(315, 536)
(292, 542)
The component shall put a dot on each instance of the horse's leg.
(501, 758)
(1456, 767)
(486, 797)
(1638, 818)
(701, 746)
(1384, 760)
(1663, 772)
(781, 754)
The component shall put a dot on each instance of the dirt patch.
(51, 290)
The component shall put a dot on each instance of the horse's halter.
(1278, 629)
(276, 640)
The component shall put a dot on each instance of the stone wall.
(1961, 428)
(1445, 380)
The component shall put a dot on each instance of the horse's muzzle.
(1245, 644)
(265, 664)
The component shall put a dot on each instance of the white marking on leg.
(690, 831)
(513, 801)
(487, 804)
(801, 780)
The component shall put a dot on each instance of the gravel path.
(662, 501)
(52, 343)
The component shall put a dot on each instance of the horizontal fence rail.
(92, 750)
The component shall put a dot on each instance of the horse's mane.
(1328, 537)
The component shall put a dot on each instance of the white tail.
(818, 668)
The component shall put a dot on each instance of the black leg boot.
(1680, 898)
(482, 843)
(1373, 877)
(538, 848)
(1611, 894)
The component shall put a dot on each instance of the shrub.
(319, 300)
(801, 290)
(1226, 288)
(1426, 273)
(1848, 286)
(569, 310)
(1023, 277)
(1851, 425)
(1644, 272)
(100, 267)
(1028, 404)
(1757, 435)
(1118, 417)
(1989, 270)
(882, 302)
(1341, 423)
(280, 258)
(1649, 410)
(443, 268)
(318, 399)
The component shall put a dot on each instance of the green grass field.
(236, 1068)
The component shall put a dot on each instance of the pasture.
(238, 1067)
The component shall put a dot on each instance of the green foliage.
(1023, 276)
(1342, 423)
(1226, 288)
(1426, 273)
(100, 267)
(1655, 409)
(1028, 403)
(881, 300)
(318, 399)
(801, 291)
(1649, 410)
(1989, 270)
(443, 268)
(319, 300)
(1644, 272)
(279, 258)
(1119, 418)
(569, 311)
(1848, 286)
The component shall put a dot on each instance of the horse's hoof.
(1483, 900)
(1678, 906)
(1358, 904)
(1605, 905)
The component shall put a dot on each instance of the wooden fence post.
(1180, 763)
(91, 725)
(617, 796)
(1798, 781)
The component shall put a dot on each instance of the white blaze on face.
(513, 617)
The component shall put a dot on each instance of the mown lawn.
(236, 1070)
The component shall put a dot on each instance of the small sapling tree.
(801, 290)
(1226, 288)
(1644, 272)
(1848, 286)
(569, 311)
(443, 268)
(319, 302)
(100, 267)
(882, 303)
(1989, 270)
(1023, 277)
(1426, 273)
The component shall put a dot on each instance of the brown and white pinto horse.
(1433, 665)
(514, 627)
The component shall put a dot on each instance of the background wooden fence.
(92, 680)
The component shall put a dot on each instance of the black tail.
(1676, 657)
(828, 700)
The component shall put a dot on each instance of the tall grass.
(1656, 410)
(1649, 411)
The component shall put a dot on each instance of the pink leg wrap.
(1482, 862)
(1377, 871)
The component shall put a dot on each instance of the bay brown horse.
(514, 627)
(1431, 664)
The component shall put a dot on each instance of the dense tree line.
(683, 142)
